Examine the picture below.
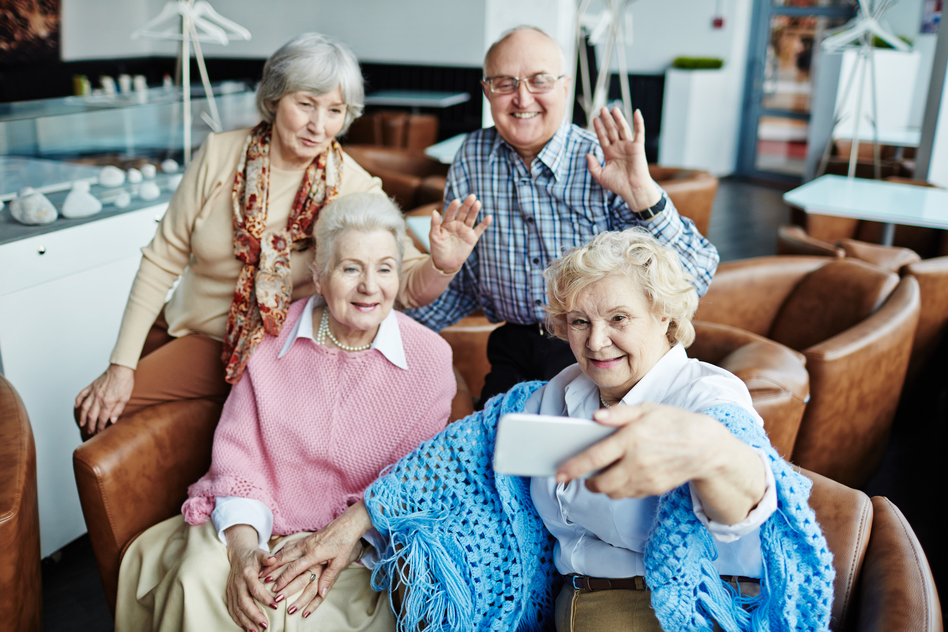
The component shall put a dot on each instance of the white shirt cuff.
(232, 510)
(371, 558)
(730, 532)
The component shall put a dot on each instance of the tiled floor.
(743, 224)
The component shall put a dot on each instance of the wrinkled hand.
(656, 449)
(243, 583)
(453, 237)
(104, 400)
(324, 553)
(625, 171)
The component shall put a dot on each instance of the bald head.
(526, 38)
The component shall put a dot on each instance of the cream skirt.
(173, 577)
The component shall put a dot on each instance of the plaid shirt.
(538, 214)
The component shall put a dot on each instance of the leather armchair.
(774, 374)
(21, 585)
(408, 175)
(883, 580)
(691, 191)
(392, 128)
(931, 274)
(854, 323)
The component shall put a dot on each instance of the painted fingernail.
(305, 614)
(278, 599)
(274, 606)
(291, 610)
(268, 579)
(263, 625)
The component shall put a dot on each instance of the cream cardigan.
(195, 242)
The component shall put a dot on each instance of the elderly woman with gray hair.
(237, 232)
(689, 519)
(347, 388)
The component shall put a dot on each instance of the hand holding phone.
(537, 445)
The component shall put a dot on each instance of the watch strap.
(653, 210)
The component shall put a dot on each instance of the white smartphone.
(537, 445)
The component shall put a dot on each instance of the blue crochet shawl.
(475, 555)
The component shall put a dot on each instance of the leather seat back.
(829, 301)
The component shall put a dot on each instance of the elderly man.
(549, 185)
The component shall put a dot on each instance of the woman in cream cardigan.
(236, 236)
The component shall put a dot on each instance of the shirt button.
(536, 260)
(529, 220)
(538, 302)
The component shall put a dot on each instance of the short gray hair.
(636, 255)
(525, 27)
(314, 63)
(365, 212)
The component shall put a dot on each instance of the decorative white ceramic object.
(80, 203)
(149, 171)
(169, 166)
(124, 199)
(174, 181)
(111, 176)
(33, 208)
(150, 190)
(134, 176)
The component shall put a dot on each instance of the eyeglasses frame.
(487, 82)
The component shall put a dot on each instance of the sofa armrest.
(136, 474)
(775, 375)
(897, 589)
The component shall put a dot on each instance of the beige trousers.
(173, 577)
(616, 610)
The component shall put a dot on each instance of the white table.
(416, 99)
(445, 151)
(876, 200)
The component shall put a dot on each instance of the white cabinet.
(62, 295)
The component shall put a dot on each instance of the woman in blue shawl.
(694, 522)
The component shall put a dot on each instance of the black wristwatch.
(652, 211)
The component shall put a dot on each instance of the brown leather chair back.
(749, 293)
(391, 128)
(21, 585)
(856, 380)
(468, 340)
(408, 175)
(830, 300)
(774, 374)
(691, 191)
(793, 240)
(932, 277)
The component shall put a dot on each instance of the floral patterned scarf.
(265, 285)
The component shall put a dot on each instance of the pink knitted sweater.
(307, 433)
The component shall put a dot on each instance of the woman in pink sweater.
(348, 387)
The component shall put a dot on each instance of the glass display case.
(115, 129)
(63, 285)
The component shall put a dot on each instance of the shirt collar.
(552, 154)
(582, 394)
(388, 340)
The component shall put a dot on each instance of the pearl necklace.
(603, 402)
(324, 331)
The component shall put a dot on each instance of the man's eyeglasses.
(508, 85)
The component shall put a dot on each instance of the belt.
(592, 584)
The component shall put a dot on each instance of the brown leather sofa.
(691, 191)
(408, 175)
(854, 323)
(21, 584)
(931, 274)
(392, 128)
(774, 374)
(137, 473)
